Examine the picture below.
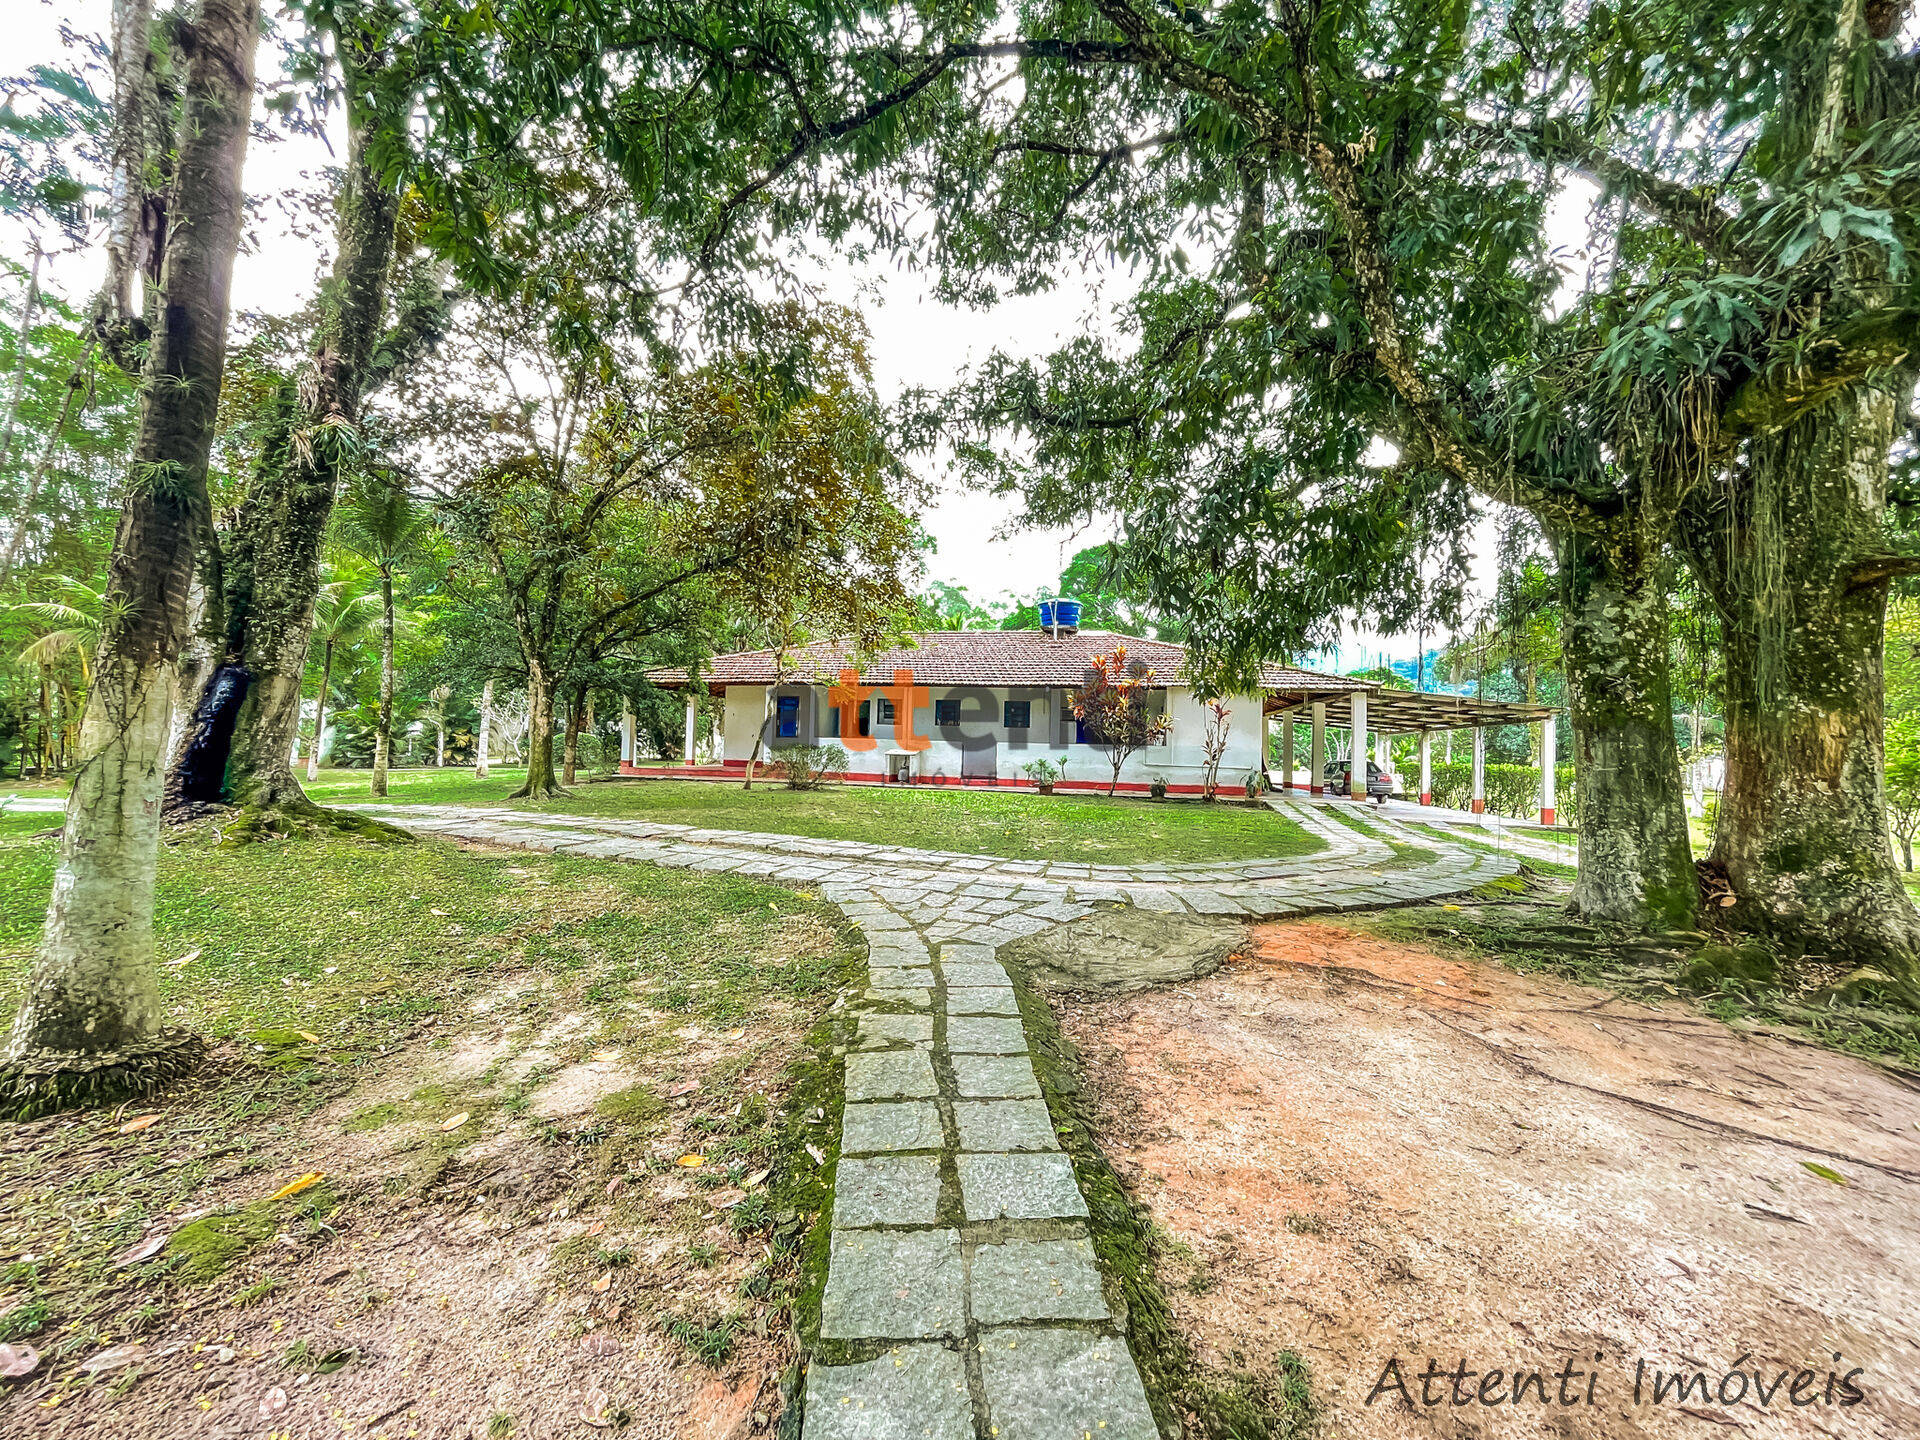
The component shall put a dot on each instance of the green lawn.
(1016, 825)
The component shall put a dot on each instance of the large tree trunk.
(91, 1023)
(383, 728)
(244, 723)
(540, 782)
(1797, 566)
(1636, 860)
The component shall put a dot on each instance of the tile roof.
(987, 657)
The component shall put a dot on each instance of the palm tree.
(386, 527)
(78, 619)
(342, 614)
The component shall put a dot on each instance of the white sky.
(916, 341)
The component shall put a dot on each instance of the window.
(1017, 714)
(946, 712)
(886, 712)
(787, 711)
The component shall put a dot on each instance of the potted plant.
(1044, 774)
(1158, 789)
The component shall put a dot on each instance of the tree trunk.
(320, 713)
(383, 728)
(1794, 560)
(91, 1023)
(271, 572)
(1636, 859)
(540, 782)
(486, 722)
(572, 754)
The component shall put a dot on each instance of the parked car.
(1339, 780)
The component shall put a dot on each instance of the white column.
(1357, 750)
(1383, 750)
(1426, 767)
(1549, 753)
(626, 731)
(1286, 751)
(1479, 771)
(1317, 751)
(693, 724)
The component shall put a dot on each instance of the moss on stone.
(635, 1105)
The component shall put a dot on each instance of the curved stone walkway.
(962, 1297)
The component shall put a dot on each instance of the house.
(977, 706)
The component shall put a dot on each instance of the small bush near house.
(808, 766)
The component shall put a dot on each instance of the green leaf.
(1823, 1172)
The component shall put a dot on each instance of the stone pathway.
(962, 1298)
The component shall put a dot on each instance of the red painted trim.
(1479, 807)
(1546, 816)
(1316, 789)
(1426, 797)
(734, 770)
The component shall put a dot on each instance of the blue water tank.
(1046, 614)
(1066, 612)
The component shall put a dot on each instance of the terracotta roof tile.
(987, 657)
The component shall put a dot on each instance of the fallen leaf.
(1726, 900)
(600, 1345)
(432, 911)
(616, 1185)
(139, 1122)
(756, 1177)
(18, 1360)
(691, 1161)
(186, 959)
(294, 1187)
(117, 1358)
(726, 1199)
(735, 1034)
(1823, 1172)
(614, 1312)
(311, 1039)
(818, 1158)
(145, 1250)
(600, 1285)
(1450, 907)
(596, 1227)
(684, 1087)
(454, 1122)
(274, 1401)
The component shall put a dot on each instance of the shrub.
(1044, 772)
(808, 766)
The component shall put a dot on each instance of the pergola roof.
(1396, 711)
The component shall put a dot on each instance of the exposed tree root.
(44, 1082)
(540, 792)
(302, 818)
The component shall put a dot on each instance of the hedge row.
(1511, 789)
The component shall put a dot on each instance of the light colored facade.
(970, 690)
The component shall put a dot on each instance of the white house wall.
(1180, 759)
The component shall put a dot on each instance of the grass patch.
(635, 1105)
(1455, 837)
(1091, 828)
(360, 948)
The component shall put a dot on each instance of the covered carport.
(1388, 713)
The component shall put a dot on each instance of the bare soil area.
(1367, 1153)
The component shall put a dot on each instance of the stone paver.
(891, 1125)
(1019, 1187)
(912, 1392)
(892, 1285)
(887, 1190)
(1053, 1384)
(946, 1142)
(1035, 1280)
(997, 1125)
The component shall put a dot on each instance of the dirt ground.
(1367, 1153)
(515, 1276)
